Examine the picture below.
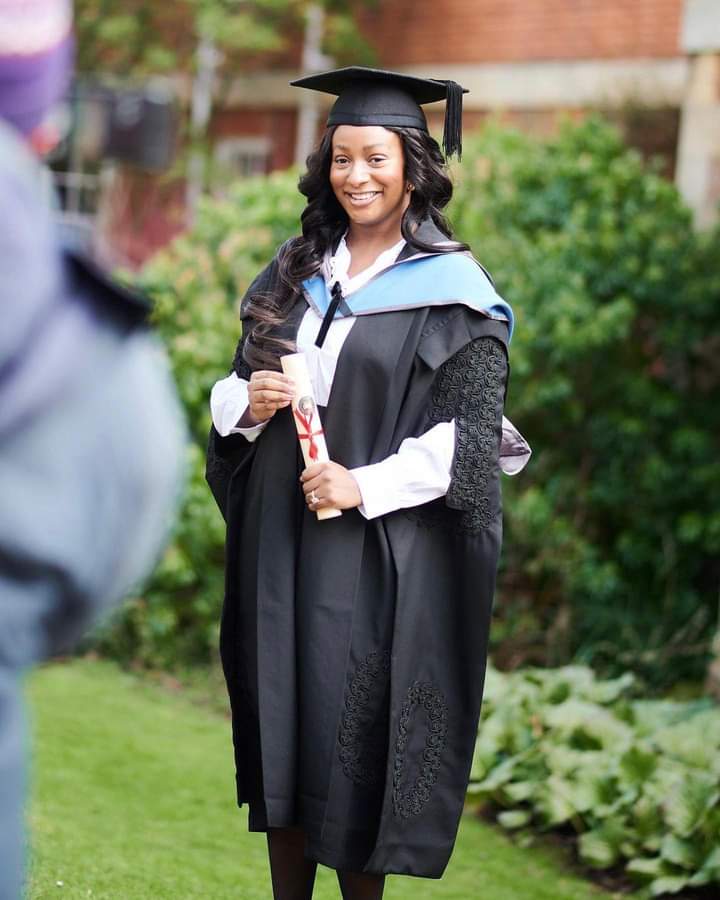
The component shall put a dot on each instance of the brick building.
(650, 64)
(525, 59)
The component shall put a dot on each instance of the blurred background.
(650, 66)
(589, 187)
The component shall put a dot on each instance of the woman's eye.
(377, 160)
(340, 160)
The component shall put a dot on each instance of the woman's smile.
(363, 198)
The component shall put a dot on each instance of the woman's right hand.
(267, 393)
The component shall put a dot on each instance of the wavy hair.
(324, 222)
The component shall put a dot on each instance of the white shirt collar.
(335, 268)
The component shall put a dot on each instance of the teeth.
(364, 196)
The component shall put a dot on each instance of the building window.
(79, 186)
(243, 157)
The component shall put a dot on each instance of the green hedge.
(196, 285)
(613, 531)
(612, 550)
(638, 781)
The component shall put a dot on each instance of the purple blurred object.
(36, 56)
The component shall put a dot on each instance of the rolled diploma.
(307, 419)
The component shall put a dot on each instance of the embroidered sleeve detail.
(409, 800)
(216, 466)
(219, 467)
(239, 366)
(470, 387)
(363, 729)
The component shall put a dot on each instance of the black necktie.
(330, 314)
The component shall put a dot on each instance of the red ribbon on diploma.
(309, 435)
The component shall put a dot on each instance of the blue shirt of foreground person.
(83, 510)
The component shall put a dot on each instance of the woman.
(354, 649)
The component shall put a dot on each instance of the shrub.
(613, 531)
(637, 781)
(196, 286)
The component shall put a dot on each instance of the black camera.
(101, 124)
(137, 126)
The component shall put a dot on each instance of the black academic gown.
(355, 650)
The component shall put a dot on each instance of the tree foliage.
(139, 38)
(196, 286)
(613, 543)
(613, 531)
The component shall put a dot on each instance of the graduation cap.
(376, 97)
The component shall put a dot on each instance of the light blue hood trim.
(424, 280)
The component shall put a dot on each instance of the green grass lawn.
(133, 800)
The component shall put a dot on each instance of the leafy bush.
(613, 531)
(612, 554)
(196, 286)
(638, 781)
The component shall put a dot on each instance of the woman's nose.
(358, 174)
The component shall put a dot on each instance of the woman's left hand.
(330, 485)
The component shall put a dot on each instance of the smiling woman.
(367, 174)
(354, 649)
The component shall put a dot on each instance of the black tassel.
(330, 314)
(452, 135)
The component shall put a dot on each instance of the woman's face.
(367, 175)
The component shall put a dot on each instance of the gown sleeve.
(454, 457)
(515, 452)
(450, 458)
(421, 469)
(470, 387)
(417, 473)
(225, 454)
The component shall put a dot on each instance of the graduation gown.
(354, 650)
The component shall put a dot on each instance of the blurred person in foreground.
(90, 430)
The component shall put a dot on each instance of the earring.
(410, 187)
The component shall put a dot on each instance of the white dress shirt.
(420, 470)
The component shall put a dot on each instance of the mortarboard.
(376, 97)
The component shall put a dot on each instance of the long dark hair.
(324, 222)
